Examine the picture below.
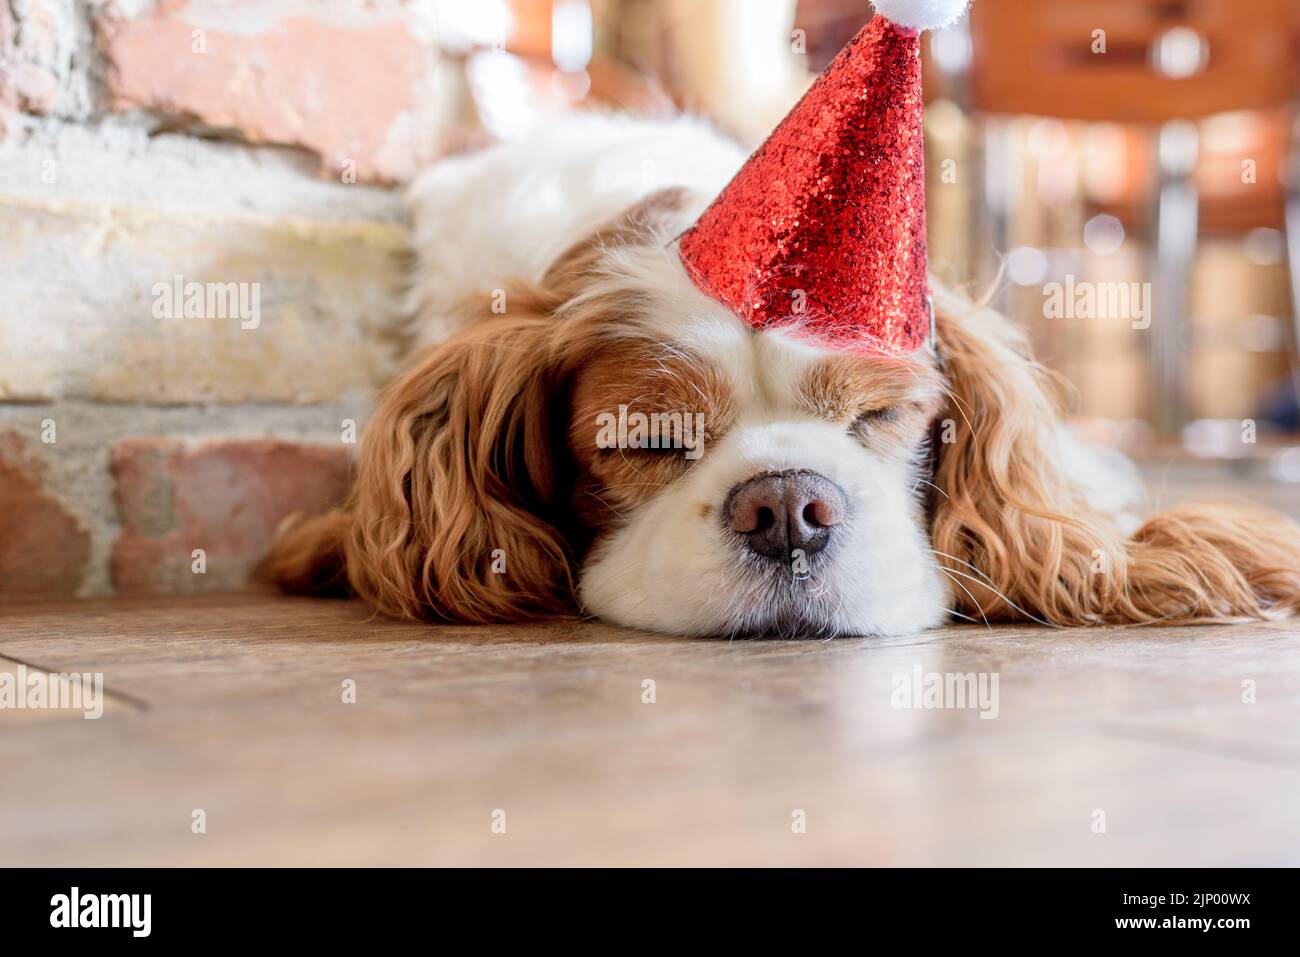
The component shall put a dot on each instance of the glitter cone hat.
(823, 229)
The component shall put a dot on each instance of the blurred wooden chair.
(1159, 64)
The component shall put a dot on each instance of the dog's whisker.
(975, 568)
(949, 573)
(999, 594)
(921, 481)
(606, 504)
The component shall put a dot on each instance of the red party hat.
(823, 228)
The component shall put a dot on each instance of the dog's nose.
(779, 512)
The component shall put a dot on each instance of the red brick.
(44, 549)
(29, 55)
(349, 88)
(225, 497)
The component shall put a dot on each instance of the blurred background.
(1121, 176)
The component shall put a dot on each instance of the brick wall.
(148, 441)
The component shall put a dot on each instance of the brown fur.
(1009, 509)
(456, 464)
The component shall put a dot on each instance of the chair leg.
(1293, 251)
(1176, 223)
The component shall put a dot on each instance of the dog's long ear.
(1025, 539)
(454, 474)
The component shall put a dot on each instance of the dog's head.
(615, 443)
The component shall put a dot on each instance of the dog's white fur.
(487, 220)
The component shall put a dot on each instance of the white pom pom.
(921, 14)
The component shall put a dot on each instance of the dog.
(828, 493)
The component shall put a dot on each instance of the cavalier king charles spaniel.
(508, 473)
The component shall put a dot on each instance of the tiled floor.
(1108, 746)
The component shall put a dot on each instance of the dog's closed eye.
(881, 416)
